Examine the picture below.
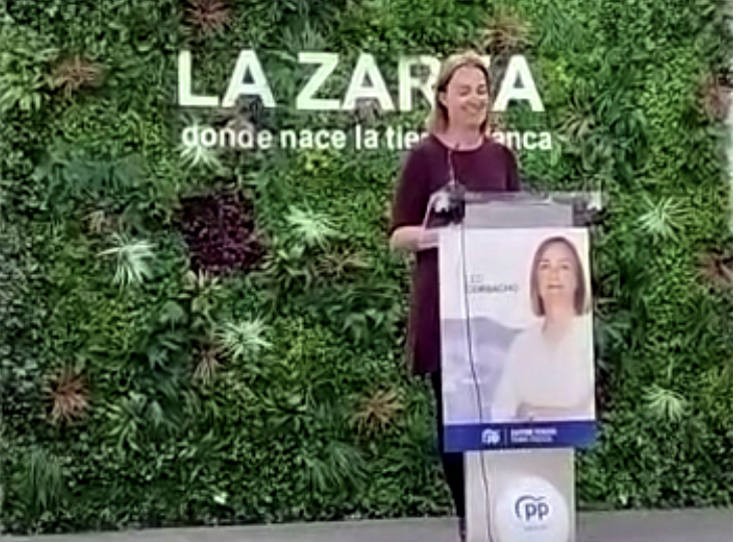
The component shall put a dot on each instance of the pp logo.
(490, 437)
(529, 508)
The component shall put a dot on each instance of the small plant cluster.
(74, 73)
(68, 396)
(377, 411)
(31, 70)
(717, 268)
(220, 232)
(716, 97)
(506, 33)
(206, 17)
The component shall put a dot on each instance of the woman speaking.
(458, 144)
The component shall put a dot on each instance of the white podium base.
(520, 495)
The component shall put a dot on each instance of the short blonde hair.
(438, 119)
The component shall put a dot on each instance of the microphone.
(456, 191)
(449, 200)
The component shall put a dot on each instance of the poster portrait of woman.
(547, 373)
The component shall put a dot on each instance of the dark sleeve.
(513, 176)
(410, 199)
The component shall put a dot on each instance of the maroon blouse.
(490, 167)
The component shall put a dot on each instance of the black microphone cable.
(459, 191)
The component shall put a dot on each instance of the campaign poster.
(517, 340)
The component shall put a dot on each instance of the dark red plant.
(220, 232)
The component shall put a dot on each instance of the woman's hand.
(413, 238)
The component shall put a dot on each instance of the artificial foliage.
(220, 233)
(214, 336)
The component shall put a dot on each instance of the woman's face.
(557, 276)
(466, 98)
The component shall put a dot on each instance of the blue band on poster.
(492, 436)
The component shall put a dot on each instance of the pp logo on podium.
(531, 509)
(491, 437)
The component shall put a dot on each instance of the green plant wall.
(137, 391)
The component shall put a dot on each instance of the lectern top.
(521, 209)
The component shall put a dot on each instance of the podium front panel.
(517, 338)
